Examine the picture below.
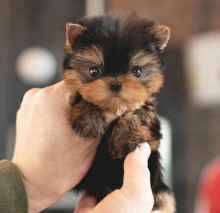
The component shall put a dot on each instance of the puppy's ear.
(73, 30)
(162, 33)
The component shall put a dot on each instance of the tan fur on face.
(91, 54)
(132, 95)
(72, 79)
(155, 82)
(142, 59)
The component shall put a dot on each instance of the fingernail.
(144, 149)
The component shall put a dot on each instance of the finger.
(109, 117)
(136, 173)
(18, 114)
(63, 89)
(59, 91)
(85, 204)
(30, 94)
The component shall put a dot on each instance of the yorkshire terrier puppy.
(116, 66)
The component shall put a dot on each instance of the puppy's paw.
(118, 148)
(88, 120)
(126, 136)
(89, 127)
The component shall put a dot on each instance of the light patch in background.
(165, 150)
(202, 59)
(36, 66)
(94, 7)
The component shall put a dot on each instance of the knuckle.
(44, 94)
(45, 97)
(147, 200)
(30, 93)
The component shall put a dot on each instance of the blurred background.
(32, 37)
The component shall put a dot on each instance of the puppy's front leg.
(88, 119)
(133, 128)
(127, 134)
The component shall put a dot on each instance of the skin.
(53, 158)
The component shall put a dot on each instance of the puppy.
(116, 66)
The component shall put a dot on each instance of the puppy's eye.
(136, 71)
(94, 71)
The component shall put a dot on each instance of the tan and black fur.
(116, 65)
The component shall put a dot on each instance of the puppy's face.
(115, 64)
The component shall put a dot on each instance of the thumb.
(136, 173)
(136, 183)
(85, 204)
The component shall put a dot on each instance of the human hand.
(51, 156)
(135, 194)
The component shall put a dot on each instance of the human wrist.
(37, 200)
(41, 190)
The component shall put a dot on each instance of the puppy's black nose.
(115, 86)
